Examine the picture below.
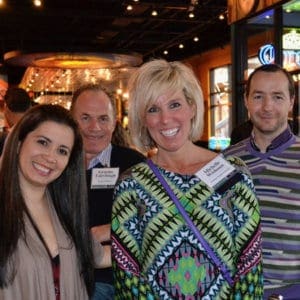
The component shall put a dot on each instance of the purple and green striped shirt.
(276, 176)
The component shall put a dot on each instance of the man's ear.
(115, 123)
(292, 100)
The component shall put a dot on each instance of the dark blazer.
(100, 200)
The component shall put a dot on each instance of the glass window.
(220, 107)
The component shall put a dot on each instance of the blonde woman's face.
(168, 121)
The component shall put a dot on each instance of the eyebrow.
(49, 140)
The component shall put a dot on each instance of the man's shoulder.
(125, 157)
(126, 150)
(237, 149)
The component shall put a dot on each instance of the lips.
(93, 138)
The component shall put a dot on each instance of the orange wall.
(201, 65)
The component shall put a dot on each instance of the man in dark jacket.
(95, 113)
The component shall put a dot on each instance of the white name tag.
(215, 171)
(103, 178)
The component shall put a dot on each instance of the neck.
(263, 140)
(186, 161)
(35, 200)
(169, 158)
(88, 158)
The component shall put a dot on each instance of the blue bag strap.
(220, 265)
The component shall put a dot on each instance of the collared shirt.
(103, 157)
(278, 141)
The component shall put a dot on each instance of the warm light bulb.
(129, 7)
(196, 39)
(154, 13)
(166, 52)
(37, 2)
(191, 15)
(181, 46)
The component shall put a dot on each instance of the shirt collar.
(103, 157)
(278, 141)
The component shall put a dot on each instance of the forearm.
(102, 255)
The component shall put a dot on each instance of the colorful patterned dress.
(157, 256)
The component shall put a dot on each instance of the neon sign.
(291, 58)
(291, 40)
(266, 54)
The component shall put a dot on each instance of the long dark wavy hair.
(68, 193)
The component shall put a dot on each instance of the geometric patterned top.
(157, 256)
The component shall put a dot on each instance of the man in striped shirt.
(272, 153)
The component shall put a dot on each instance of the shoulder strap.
(221, 266)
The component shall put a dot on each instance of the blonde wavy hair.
(150, 81)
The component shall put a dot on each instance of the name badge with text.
(215, 171)
(103, 178)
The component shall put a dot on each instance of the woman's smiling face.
(168, 121)
(45, 153)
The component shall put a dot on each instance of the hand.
(101, 233)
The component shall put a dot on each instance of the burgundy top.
(55, 268)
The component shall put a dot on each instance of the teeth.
(41, 168)
(169, 132)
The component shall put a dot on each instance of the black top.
(100, 200)
(242, 131)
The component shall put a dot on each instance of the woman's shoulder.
(238, 164)
(132, 171)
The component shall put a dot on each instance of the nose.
(267, 103)
(94, 124)
(164, 116)
(50, 157)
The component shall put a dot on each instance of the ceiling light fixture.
(196, 39)
(154, 13)
(129, 7)
(166, 52)
(37, 3)
(181, 46)
(191, 15)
